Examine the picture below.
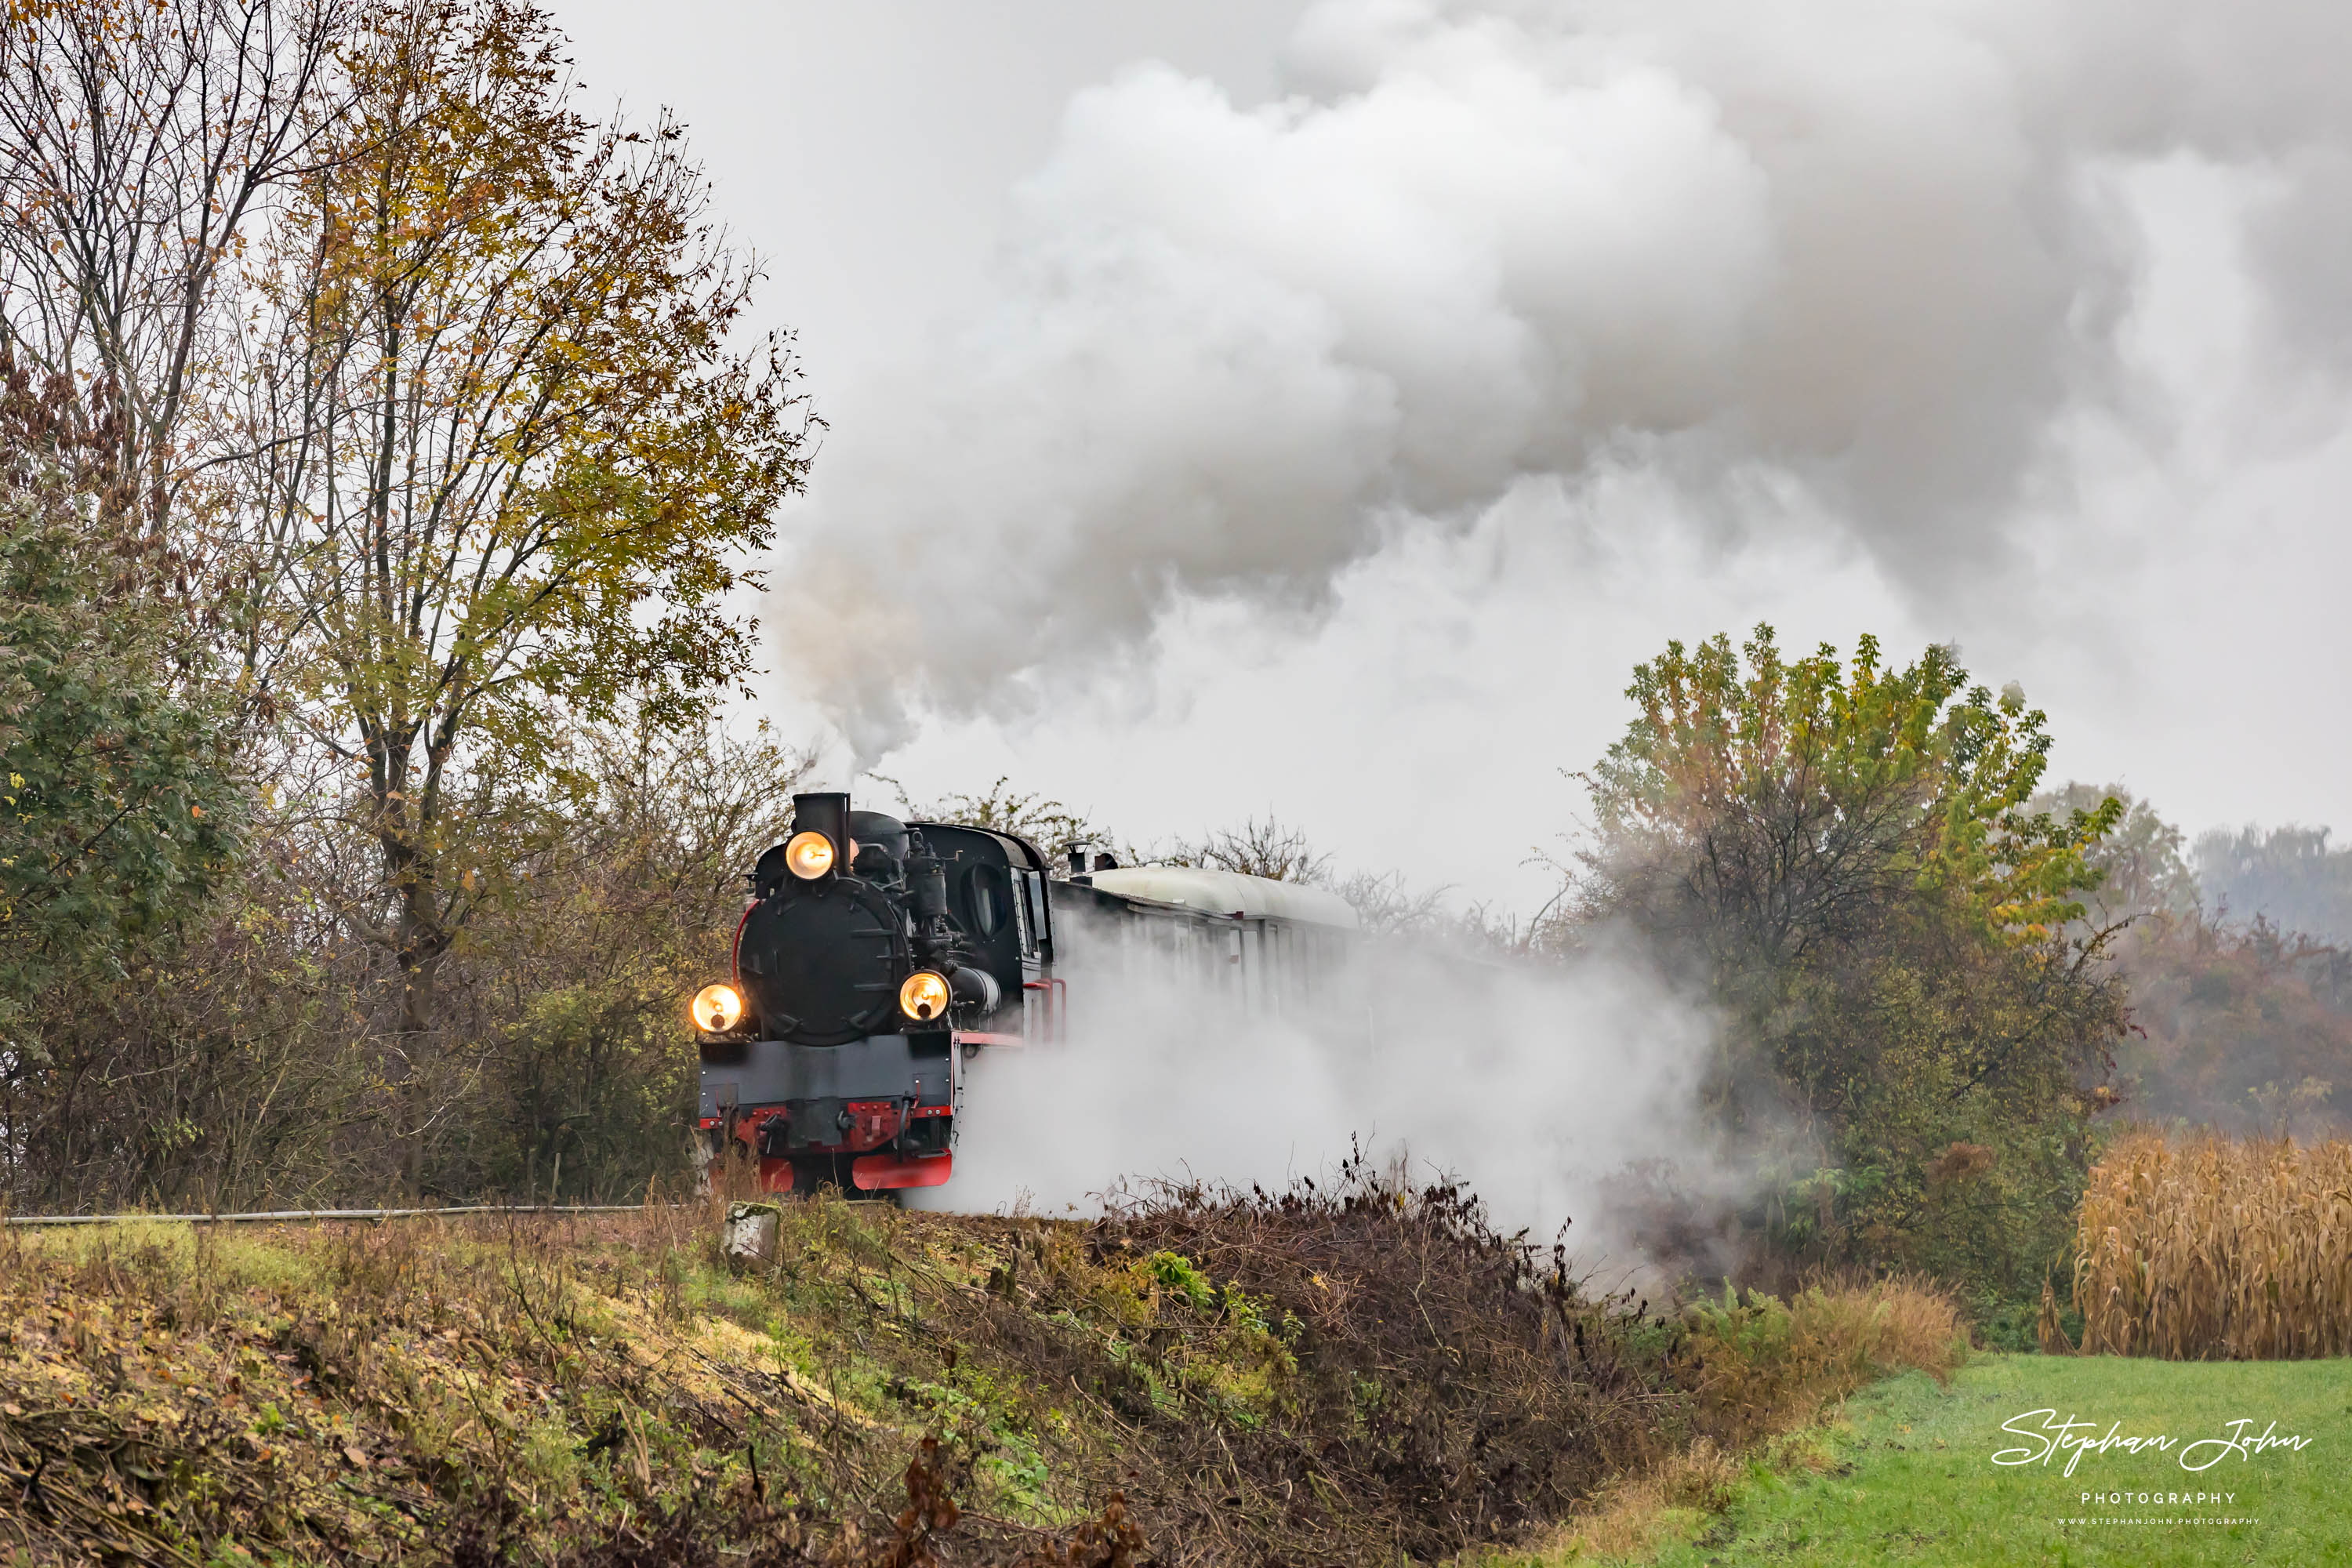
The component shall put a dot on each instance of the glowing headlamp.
(809, 855)
(717, 1009)
(924, 996)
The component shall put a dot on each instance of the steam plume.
(1864, 266)
(1536, 1087)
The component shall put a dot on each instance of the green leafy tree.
(118, 810)
(634, 909)
(2142, 865)
(1777, 803)
(1847, 855)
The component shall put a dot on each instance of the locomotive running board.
(872, 1172)
(974, 1038)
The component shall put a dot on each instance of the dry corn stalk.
(2051, 1329)
(2206, 1249)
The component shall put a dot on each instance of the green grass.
(1911, 1477)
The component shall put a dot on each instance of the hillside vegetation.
(1314, 1376)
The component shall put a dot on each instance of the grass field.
(1906, 1475)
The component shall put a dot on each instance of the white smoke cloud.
(1538, 1087)
(1340, 453)
(1874, 262)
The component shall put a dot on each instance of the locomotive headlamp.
(717, 1008)
(809, 855)
(924, 996)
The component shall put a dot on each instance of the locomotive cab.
(875, 958)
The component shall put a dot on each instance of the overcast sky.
(1318, 409)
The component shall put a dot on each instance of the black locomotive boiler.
(877, 959)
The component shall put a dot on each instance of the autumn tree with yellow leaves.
(507, 462)
(424, 446)
(1845, 857)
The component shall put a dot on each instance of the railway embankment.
(1347, 1375)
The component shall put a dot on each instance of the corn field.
(2211, 1248)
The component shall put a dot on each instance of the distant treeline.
(2240, 972)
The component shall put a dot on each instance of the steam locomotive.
(877, 959)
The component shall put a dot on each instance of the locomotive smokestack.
(1078, 860)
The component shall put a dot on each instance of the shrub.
(1769, 1363)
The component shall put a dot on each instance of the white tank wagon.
(1268, 947)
